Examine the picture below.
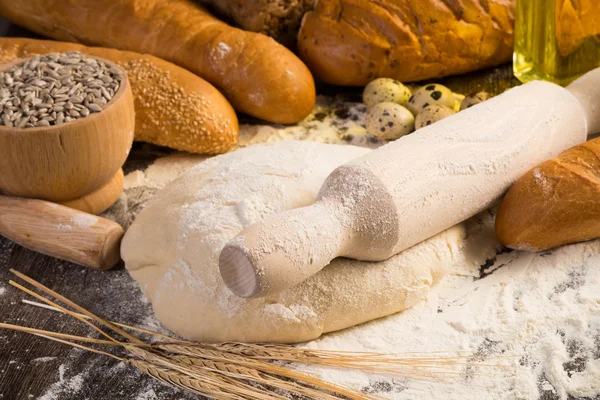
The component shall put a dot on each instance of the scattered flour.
(148, 394)
(162, 171)
(333, 120)
(64, 386)
(2, 290)
(84, 220)
(64, 227)
(543, 309)
(43, 359)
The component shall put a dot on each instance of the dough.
(173, 247)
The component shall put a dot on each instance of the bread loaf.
(575, 22)
(278, 19)
(556, 203)
(350, 42)
(173, 107)
(258, 75)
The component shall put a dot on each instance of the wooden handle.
(282, 251)
(61, 232)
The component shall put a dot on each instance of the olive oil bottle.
(556, 40)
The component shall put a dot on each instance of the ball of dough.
(389, 121)
(172, 251)
(431, 114)
(428, 95)
(474, 98)
(385, 89)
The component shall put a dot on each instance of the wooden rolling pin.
(61, 232)
(413, 188)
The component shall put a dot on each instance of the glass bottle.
(556, 40)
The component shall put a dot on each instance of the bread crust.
(190, 114)
(258, 75)
(351, 42)
(555, 203)
(278, 19)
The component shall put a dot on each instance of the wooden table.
(30, 367)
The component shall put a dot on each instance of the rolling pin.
(413, 188)
(61, 232)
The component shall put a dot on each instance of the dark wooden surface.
(31, 366)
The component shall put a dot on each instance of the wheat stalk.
(173, 370)
(234, 370)
(219, 356)
(215, 377)
(410, 363)
(253, 375)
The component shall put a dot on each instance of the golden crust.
(278, 19)
(575, 22)
(556, 203)
(351, 42)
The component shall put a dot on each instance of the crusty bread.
(258, 75)
(173, 107)
(576, 21)
(350, 42)
(278, 19)
(556, 203)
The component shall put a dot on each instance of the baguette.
(351, 42)
(555, 203)
(258, 75)
(173, 107)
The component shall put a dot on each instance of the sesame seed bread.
(173, 107)
(351, 42)
(256, 74)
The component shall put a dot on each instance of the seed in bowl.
(56, 88)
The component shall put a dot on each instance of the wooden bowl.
(65, 162)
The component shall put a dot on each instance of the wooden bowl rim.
(20, 131)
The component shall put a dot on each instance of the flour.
(2, 290)
(334, 120)
(84, 220)
(544, 308)
(43, 359)
(64, 227)
(64, 386)
(149, 394)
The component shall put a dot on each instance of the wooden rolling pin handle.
(61, 232)
(587, 91)
(270, 269)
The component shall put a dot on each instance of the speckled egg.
(474, 98)
(428, 95)
(432, 113)
(389, 121)
(385, 89)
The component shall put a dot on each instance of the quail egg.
(432, 113)
(385, 89)
(428, 95)
(389, 121)
(474, 98)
